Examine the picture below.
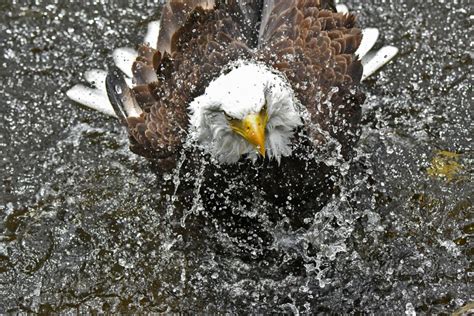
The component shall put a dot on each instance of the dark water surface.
(86, 226)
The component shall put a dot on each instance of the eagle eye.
(228, 117)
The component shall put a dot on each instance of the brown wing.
(205, 39)
(247, 15)
(173, 17)
(314, 46)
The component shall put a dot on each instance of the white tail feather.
(342, 8)
(96, 77)
(151, 36)
(92, 98)
(96, 97)
(124, 58)
(373, 61)
(369, 38)
(129, 81)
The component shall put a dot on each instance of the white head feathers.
(242, 91)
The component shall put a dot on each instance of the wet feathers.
(307, 41)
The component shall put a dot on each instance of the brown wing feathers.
(174, 15)
(305, 39)
(314, 48)
(196, 42)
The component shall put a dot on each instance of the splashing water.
(87, 226)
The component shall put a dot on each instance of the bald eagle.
(249, 79)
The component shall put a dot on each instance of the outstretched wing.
(314, 46)
(197, 39)
(316, 35)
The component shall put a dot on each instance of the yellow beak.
(252, 128)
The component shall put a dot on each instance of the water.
(86, 226)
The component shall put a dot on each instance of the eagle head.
(249, 111)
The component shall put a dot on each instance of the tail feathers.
(152, 33)
(121, 96)
(110, 93)
(373, 61)
(92, 98)
(342, 8)
(96, 77)
(369, 38)
(124, 58)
